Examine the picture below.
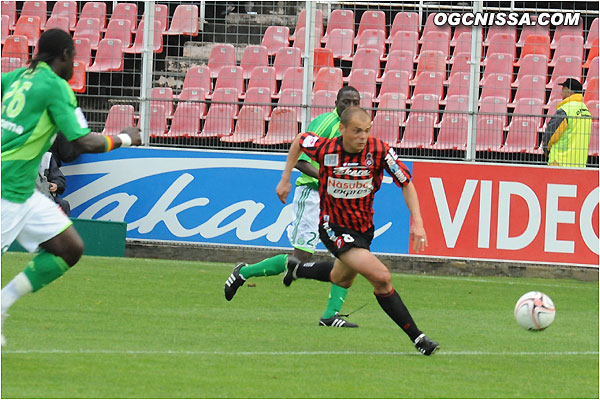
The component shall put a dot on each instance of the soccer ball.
(534, 311)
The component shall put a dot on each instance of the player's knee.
(75, 251)
(382, 278)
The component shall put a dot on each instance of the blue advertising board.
(206, 197)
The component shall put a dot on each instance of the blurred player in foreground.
(36, 102)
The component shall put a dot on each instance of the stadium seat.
(161, 13)
(497, 106)
(404, 22)
(88, 28)
(462, 45)
(498, 63)
(591, 73)
(399, 60)
(535, 44)
(253, 56)
(225, 96)
(531, 87)
(456, 41)
(285, 58)
(275, 37)
(263, 77)
(496, 85)
(126, 12)
(9, 8)
(16, 46)
(186, 21)
(109, 56)
(490, 127)
(429, 83)
(589, 40)
(231, 77)
(528, 106)
(501, 43)
(340, 42)
(556, 92)
(458, 85)
(394, 82)
(293, 78)
(66, 9)
(366, 102)
(198, 77)
(372, 39)
(94, 9)
(249, 127)
(565, 66)
(533, 30)
(461, 63)
(78, 80)
(457, 102)
(259, 97)
(221, 55)
(431, 61)
(393, 103)
(28, 27)
(425, 104)
(35, 9)
(436, 41)
(190, 94)
(431, 27)
(301, 23)
(571, 46)
(405, 41)
(157, 122)
(328, 79)
(186, 121)
(364, 80)
(323, 101)
(4, 26)
(119, 29)
(291, 98)
(418, 132)
(593, 53)
(300, 39)
(369, 20)
(11, 63)
(532, 64)
(591, 94)
(386, 127)
(162, 96)
(453, 133)
(365, 59)
(522, 132)
(54, 22)
(119, 116)
(283, 127)
(511, 31)
(323, 58)
(138, 44)
(340, 19)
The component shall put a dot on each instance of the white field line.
(296, 353)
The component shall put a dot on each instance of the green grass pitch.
(135, 328)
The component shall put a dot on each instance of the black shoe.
(426, 345)
(234, 281)
(337, 322)
(292, 266)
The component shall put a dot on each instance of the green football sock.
(270, 266)
(44, 268)
(337, 295)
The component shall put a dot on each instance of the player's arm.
(90, 143)
(307, 168)
(284, 186)
(417, 230)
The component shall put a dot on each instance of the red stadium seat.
(301, 23)
(16, 46)
(28, 27)
(253, 56)
(593, 53)
(158, 121)
(399, 60)
(528, 106)
(571, 46)
(186, 121)
(461, 64)
(436, 41)
(457, 102)
(497, 106)
(340, 19)
(226, 96)
(490, 127)
(425, 104)
(35, 9)
(109, 56)
(249, 127)
(533, 30)
(285, 58)
(157, 42)
(198, 77)
(453, 133)
(386, 127)
(119, 29)
(593, 72)
(566, 66)
(431, 61)
(364, 80)
(429, 83)
(161, 13)
(323, 59)
(458, 85)
(418, 132)
(394, 82)
(5, 26)
(366, 102)
(263, 77)
(11, 63)
(88, 28)
(276, 37)
(522, 132)
(365, 59)
(192, 94)
(231, 77)
(340, 42)
(66, 9)
(405, 41)
(291, 98)
(532, 64)
(371, 19)
(300, 39)
(431, 27)
(404, 22)
(323, 101)
(259, 97)
(221, 55)
(9, 8)
(78, 80)
(589, 40)
(185, 21)
(61, 23)
(393, 103)
(119, 116)
(496, 85)
(511, 31)
(219, 121)
(591, 94)
(162, 96)
(328, 79)
(293, 78)
(498, 63)
(531, 87)
(535, 44)
(456, 41)
(372, 39)
(283, 127)
(127, 12)
(94, 9)
(501, 43)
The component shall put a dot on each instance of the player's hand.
(419, 237)
(283, 189)
(135, 134)
(53, 187)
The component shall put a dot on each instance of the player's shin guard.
(44, 268)
(315, 270)
(270, 266)
(393, 305)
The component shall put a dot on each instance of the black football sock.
(315, 270)
(394, 307)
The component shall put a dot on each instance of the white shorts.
(304, 230)
(36, 221)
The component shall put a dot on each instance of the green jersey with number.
(35, 105)
(325, 125)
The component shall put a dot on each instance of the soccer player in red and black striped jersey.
(351, 172)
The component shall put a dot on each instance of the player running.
(351, 172)
(36, 102)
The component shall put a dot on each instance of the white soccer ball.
(534, 311)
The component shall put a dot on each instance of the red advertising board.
(505, 212)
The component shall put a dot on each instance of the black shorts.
(338, 239)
